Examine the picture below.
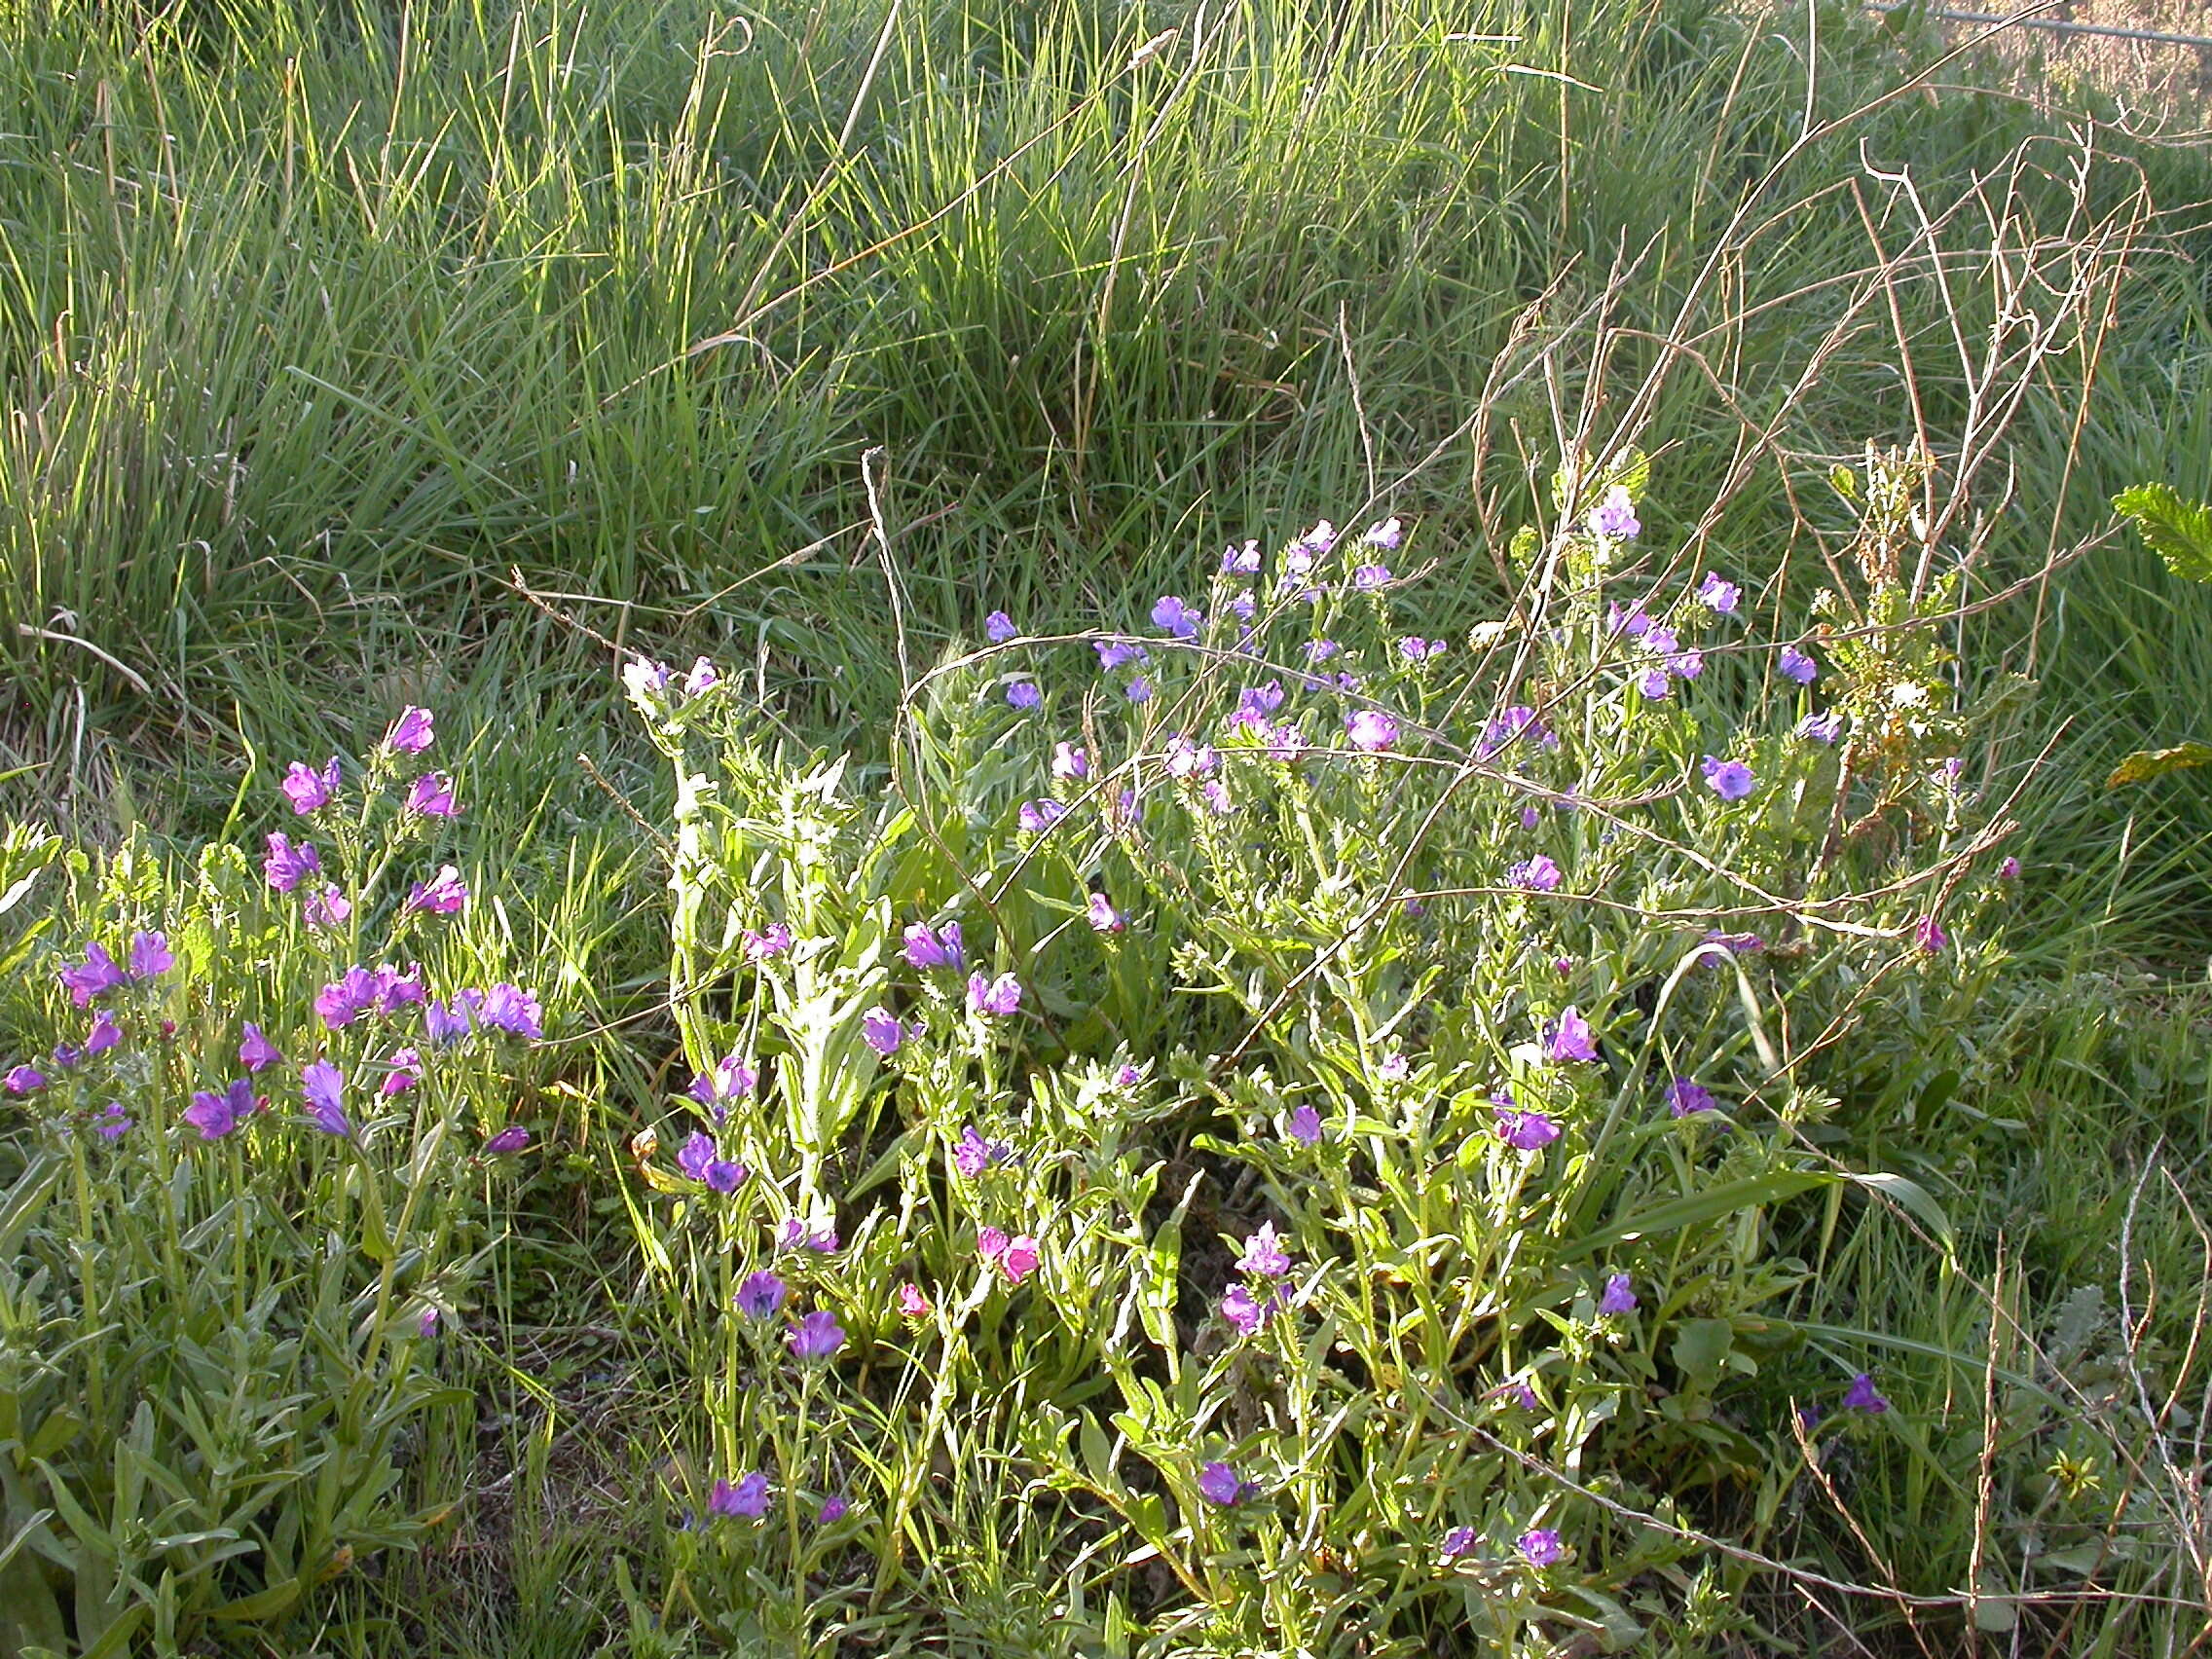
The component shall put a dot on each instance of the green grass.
(328, 329)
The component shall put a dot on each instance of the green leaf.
(1744, 1193)
(1700, 1348)
(2178, 532)
(1913, 1197)
(2148, 764)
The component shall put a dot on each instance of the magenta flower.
(912, 1304)
(881, 1031)
(1930, 935)
(972, 1154)
(1020, 1258)
(326, 909)
(1218, 1484)
(309, 789)
(1730, 779)
(748, 1499)
(150, 955)
(1242, 1311)
(96, 976)
(771, 941)
(23, 1080)
(1264, 1253)
(998, 628)
(1102, 915)
(1686, 1096)
(1001, 996)
(1305, 1125)
(443, 895)
(510, 1139)
(1614, 518)
(1170, 615)
(931, 948)
(1539, 875)
(1619, 1296)
(104, 1035)
(1861, 1396)
(1541, 1547)
(1371, 730)
(817, 1336)
(1024, 694)
(512, 1009)
(761, 1295)
(1525, 1131)
(286, 864)
(432, 796)
(411, 733)
(1569, 1039)
(1719, 597)
(1796, 665)
(324, 1086)
(406, 1072)
(216, 1116)
(2009, 871)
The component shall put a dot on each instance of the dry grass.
(2162, 87)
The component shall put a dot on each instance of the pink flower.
(1371, 730)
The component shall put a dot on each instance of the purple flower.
(1518, 1393)
(1119, 653)
(286, 864)
(1170, 615)
(971, 1154)
(1138, 690)
(1541, 1547)
(998, 628)
(2009, 871)
(928, 949)
(411, 733)
(881, 1031)
(1039, 814)
(1796, 665)
(1539, 875)
(1686, 1096)
(309, 789)
(112, 1121)
(326, 909)
(1614, 518)
(1024, 694)
(1525, 1131)
(1569, 1039)
(443, 895)
(1186, 758)
(1264, 1253)
(150, 955)
(216, 1116)
(1619, 1296)
(1822, 728)
(1458, 1541)
(761, 1295)
(817, 1336)
(832, 1510)
(393, 990)
(1687, 664)
(511, 1139)
(1371, 730)
(1930, 936)
(1396, 1068)
(1242, 560)
(1513, 726)
(99, 973)
(512, 1009)
(1102, 915)
(1861, 1396)
(1000, 996)
(1730, 779)
(104, 1034)
(771, 941)
(749, 1498)
(1218, 1484)
(701, 1158)
(1414, 648)
(324, 1086)
(432, 796)
(1634, 623)
(446, 1022)
(1720, 597)
(796, 1234)
(1244, 1313)
(406, 1071)
(1385, 535)
(23, 1080)
(1655, 685)
(346, 999)
(1305, 1125)
(67, 1057)
(1371, 578)
(1069, 763)
(703, 678)
(1739, 945)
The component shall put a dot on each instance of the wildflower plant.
(1291, 1107)
(243, 1207)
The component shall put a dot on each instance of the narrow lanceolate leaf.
(2178, 532)
(2148, 764)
